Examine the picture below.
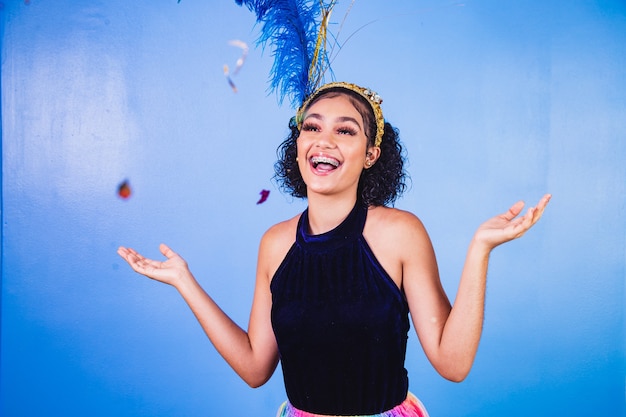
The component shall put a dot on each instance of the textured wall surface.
(495, 100)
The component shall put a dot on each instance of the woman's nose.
(325, 139)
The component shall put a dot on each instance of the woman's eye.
(346, 131)
(308, 127)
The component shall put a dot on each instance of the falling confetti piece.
(244, 53)
(123, 190)
(264, 195)
(230, 80)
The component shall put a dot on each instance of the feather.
(298, 41)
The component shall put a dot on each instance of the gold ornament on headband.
(370, 96)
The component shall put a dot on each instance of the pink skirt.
(411, 407)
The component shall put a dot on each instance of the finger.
(540, 208)
(143, 265)
(122, 251)
(127, 254)
(166, 251)
(514, 211)
(529, 218)
(133, 251)
(535, 213)
(532, 217)
(132, 257)
(135, 259)
(544, 202)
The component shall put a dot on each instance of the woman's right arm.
(253, 354)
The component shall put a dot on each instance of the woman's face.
(332, 147)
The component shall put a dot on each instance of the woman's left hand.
(509, 226)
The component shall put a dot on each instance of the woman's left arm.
(450, 334)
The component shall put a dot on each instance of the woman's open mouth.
(323, 163)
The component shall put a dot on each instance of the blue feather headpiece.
(300, 56)
(297, 31)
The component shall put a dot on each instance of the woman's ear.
(371, 156)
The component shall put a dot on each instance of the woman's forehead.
(334, 102)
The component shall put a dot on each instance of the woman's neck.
(327, 212)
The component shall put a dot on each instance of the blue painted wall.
(495, 101)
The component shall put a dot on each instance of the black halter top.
(341, 323)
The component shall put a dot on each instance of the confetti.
(230, 80)
(264, 195)
(123, 190)
(244, 53)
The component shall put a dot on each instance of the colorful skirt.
(411, 407)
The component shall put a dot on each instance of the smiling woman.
(333, 148)
(383, 179)
(335, 284)
(494, 99)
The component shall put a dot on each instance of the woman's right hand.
(170, 271)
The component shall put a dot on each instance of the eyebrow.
(340, 119)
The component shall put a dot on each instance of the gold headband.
(370, 96)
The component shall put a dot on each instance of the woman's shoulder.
(393, 224)
(285, 230)
(276, 242)
(395, 236)
(280, 237)
(391, 217)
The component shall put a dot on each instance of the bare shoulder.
(275, 244)
(397, 238)
(393, 223)
(280, 232)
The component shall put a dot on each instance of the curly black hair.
(380, 185)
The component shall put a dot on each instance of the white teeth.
(324, 160)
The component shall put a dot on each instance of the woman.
(334, 285)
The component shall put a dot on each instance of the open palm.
(169, 271)
(510, 225)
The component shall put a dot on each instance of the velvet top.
(341, 323)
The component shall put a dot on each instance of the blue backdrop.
(495, 101)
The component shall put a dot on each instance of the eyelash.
(310, 127)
